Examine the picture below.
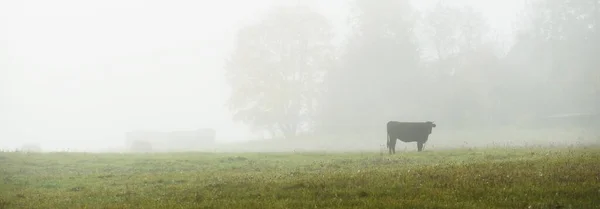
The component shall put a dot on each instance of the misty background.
(80, 74)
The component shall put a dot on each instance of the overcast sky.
(81, 73)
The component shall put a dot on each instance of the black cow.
(408, 132)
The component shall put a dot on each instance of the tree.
(561, 41)
(452, 30)
(277, 67)
(378, 65)
(464, 63)
(443, 30)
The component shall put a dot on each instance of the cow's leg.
(392, 146)
(389, 144)
(420, 146)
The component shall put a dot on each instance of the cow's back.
(408, 130)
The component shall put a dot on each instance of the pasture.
(567, 177)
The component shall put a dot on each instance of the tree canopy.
(398, 64)
(277, 67)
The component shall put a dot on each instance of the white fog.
(79, 74)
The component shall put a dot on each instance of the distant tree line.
(397, 64)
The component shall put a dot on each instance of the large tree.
(464, 62)
(558, 49)
(277, 67)
(375, 78)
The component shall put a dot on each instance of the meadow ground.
(461, 178)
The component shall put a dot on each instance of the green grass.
(474, 178)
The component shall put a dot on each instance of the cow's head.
(431, 125)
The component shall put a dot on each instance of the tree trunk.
(288, 130)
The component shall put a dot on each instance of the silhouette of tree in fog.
(464, 63)
(557, 53)
(284, 75)
(277, 67)
(375, 71)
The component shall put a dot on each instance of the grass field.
(462, 178)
